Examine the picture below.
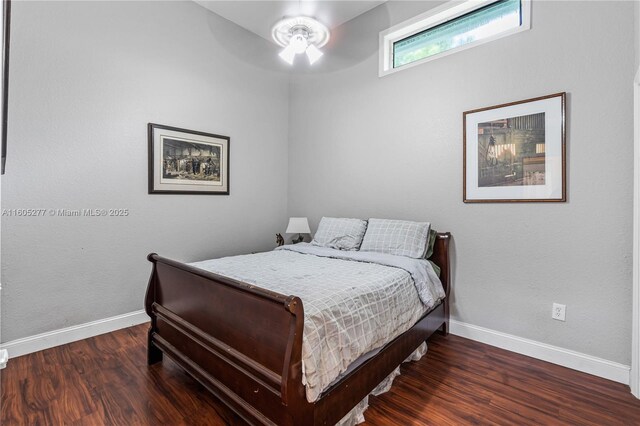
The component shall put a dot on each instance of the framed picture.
(515, 152)
(6, 33)
(187, 162)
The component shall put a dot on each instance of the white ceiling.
(260, 16)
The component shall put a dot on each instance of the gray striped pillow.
(340, 233)
(398, 237)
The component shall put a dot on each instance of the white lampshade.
(298, 225)
(288, 53)
(313, 53)
(299, 43)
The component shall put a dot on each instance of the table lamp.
(298, 225)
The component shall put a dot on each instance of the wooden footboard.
(241, 342)
(244, 343)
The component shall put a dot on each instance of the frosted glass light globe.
(298, 43)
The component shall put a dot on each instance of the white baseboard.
(62, 336)
(554, 354)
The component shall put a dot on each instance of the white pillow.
(398, 237)
(340, 233)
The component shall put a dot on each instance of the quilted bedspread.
(354, 302)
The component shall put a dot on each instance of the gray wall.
(86, 78)
(637, 35)
(365, 146)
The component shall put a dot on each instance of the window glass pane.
(477, 25)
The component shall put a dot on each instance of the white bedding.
(350, 306)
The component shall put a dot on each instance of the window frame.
(432, 18)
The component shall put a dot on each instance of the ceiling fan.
(299, 35)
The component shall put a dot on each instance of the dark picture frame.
(516, 152)
(6, 37)
(185, 161)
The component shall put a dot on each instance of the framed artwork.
(515, 152)
(6, 33)
(187, 162)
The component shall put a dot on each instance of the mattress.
(353, 304)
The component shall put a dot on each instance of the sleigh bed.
(245, 343)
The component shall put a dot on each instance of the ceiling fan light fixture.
(299, 35)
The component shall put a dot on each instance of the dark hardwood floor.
(105, 380)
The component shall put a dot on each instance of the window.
(451, 28)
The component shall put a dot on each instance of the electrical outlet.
(559, 312)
